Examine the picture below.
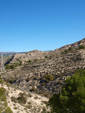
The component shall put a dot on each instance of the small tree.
(72, 97)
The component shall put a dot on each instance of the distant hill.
(7, 53)
(10, 53)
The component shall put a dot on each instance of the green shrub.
(81, 47)
(2, 91)
(14, 99)
(22, 98)
(5, 103)
(8, 110)
(2, 94)
(29, 61)
(49, 77)
(70, 49)
(7, 66)
(10, 66)
(20, 62)
(3, 98)
(46, 56)
(12, 80)
(66, 51)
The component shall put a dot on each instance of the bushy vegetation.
(46, 56)
(72, 96)
(20, 99)
(70, 49)
(48, 77)
(2, 94)
(3, 102)
(12, 80)
(81, 47)
(8, 110)
(19, 62)
(14, 99)
(12, 66)
(29, 61)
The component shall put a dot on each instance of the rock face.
(45, 72)
(29, 56)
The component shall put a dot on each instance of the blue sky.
(40, 24)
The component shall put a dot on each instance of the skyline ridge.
(41, 50)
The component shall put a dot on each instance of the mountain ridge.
(78, 42)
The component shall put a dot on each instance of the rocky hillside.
(45, 72)
(14, 100)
